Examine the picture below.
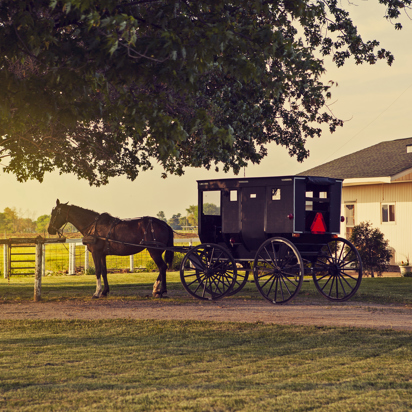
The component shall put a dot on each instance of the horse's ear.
(57, 202)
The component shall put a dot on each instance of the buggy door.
(253, 216)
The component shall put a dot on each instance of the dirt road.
(234, 310)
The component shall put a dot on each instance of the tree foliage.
(12, 221)
(372, 247)
(110, 87)
(174, 222)
(192, 213)
(42, 223)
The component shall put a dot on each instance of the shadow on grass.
(137, 286)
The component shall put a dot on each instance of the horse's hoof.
(160, 295)
(95, 297)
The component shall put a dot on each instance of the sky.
(375, 102)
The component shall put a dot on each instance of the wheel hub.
(334, 270)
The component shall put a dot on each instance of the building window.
(388, 212)
(349, 218)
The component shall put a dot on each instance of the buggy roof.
(261, 181)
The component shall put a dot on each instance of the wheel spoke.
(282, 281)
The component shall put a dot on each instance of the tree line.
(13, 221)
(190, 220)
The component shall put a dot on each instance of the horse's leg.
(104, 274)
(159, 286)
(98, 267)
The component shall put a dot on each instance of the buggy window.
(309, 203)
(211, 203)
(275, 194)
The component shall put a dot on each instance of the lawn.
(139, 285)
(201, 366)
(141, 365)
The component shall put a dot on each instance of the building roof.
(390, 160)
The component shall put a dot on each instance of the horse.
(106, 235)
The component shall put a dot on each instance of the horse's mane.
(103, 215)
(106, 216)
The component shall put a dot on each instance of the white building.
(377, 187)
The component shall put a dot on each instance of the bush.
(372, 248)
(90, 271)
(177, 260)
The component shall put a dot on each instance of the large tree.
(107, 88)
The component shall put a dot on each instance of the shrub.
(90, 271)
(177, 260)
(372, 248)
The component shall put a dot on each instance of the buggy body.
(280, 228)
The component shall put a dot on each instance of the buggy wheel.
(278, 270)
(242, 275)
(208, 272)
(337, 272)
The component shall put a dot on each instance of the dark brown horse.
(107, 235)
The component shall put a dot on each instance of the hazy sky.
(375, 100)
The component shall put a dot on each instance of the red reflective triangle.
(318, 224)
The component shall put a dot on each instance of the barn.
(377, 187)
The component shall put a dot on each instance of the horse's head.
(58, 217)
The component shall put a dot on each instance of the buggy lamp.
(342, 219)
(290, 216)
(295, 234)
(232, 241)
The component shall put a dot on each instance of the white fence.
(73, 247)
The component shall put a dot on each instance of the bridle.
(52, 223)
(66, 220)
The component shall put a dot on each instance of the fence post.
(5, 260)
(132, 263)
(86, 259)
(43, 260)
(72, 258)
(38, 270)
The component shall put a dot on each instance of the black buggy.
(279, 228)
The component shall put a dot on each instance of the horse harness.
(93, 236)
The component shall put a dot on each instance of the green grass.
(139, 286)
(63, 287)
(201, 366)
(372, 290)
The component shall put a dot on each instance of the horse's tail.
(169, 254)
